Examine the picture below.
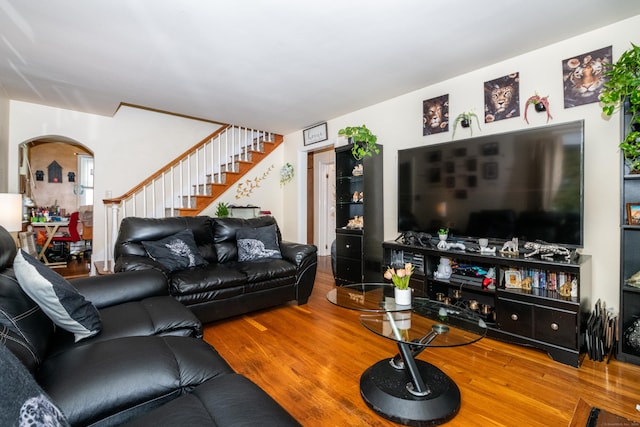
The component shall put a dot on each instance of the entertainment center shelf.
(536, 317)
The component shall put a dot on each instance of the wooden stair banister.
(192, 181)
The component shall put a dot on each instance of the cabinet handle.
(514, 316)
(347, 246)
(554, 326)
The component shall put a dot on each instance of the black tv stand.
(537, 317)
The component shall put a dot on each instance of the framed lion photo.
(502, 98)
(583, 77)
(435, 115)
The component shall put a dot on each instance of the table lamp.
(11, 213)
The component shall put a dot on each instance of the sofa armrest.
(118, 288)
(138, 262)
(297, 252)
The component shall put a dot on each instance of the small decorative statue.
(444, 269)
(489, 281)
(510, 247)
(546, 251)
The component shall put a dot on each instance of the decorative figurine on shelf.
(510, 247)
(526, 283)
(489, 281)
(546, 251)
(355, 197)
(565, 289)
(356, 222)
(444, 269)
(443, 234)
(357, 170)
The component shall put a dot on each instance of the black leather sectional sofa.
(227, 281)
(142, 363)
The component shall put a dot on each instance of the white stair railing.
(175, 186)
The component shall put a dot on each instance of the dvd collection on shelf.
(530, 278)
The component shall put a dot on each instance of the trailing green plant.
(364, 142)
(540, 103)
(465, 119)
(222, 210)
(623, 88)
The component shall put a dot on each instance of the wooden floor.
(310, 358)
(75, 268)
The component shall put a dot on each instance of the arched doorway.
(56, 176)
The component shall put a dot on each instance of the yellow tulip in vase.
(401, 278)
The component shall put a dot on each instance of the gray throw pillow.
(56, 297)
(176, 252)
(258, 243)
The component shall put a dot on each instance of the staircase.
(191, 182)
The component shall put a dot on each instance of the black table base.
(384, 389)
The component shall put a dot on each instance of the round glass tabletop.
(429, 323)
(376, 297)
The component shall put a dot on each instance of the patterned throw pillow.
(22, 401)
(176, 252)
(258, 243)
(56, 297)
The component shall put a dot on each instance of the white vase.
(402, 296)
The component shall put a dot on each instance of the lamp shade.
(11, 211)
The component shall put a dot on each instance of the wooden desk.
(51, 228)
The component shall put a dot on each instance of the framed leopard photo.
(502, 98)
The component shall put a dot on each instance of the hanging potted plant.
(364, 142)
(623, 89)
(465, 119)
(540, 103)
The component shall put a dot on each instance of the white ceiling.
(278, 65)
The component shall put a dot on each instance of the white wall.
(398, 125)
(127, 147)
(4, 143)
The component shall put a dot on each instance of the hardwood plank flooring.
(309, 358)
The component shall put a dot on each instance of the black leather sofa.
(224, 286)
(146, 366)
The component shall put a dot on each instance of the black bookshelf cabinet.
(358, 194)
(537, 317)
(629, 258)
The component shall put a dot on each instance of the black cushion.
(206, 278)
(258, 243)
(229, 400)
(133, 230)
(118, 379)
(24, 328)
(175, 252)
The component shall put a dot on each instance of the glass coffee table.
(403, 389)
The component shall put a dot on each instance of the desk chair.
(65, 241)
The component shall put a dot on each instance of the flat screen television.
(526, 184)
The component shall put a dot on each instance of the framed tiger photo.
(583, 77)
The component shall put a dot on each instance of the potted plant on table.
(222, 210)
(465, 119)
(401, 278)
(364, 142)
(623, 89)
